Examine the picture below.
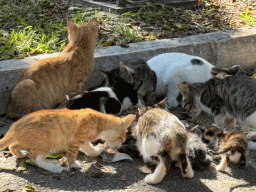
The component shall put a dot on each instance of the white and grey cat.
(174, 68)
(162, 139)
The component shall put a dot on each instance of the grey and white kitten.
(228, 99)
(161, 139)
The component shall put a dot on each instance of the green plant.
(245, 17)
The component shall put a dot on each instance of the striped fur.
(229, 100)
(46, 82)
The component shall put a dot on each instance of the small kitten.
(112, 100)
(232, 145)
(228, 99)
(140, 76)
(174, 68)
(198, 153)
(162, 138)
(46, 82)
(48, 131)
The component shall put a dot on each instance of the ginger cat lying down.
(47, 82)
(49, 131)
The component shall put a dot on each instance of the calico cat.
(174, 68)
(48, 131)
(198, 153)
(47, 82)
(120, 96)
(161, 139)
(228, 99)
(232, 145)
(140, 76)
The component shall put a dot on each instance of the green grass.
(245, 17)
(30, 27)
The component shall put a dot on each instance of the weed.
(247, 18)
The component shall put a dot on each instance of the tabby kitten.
(162, 138)
(47, 82)
(140, 76)
(232, 145)
(228, 99)
(48, 131)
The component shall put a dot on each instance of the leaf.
(108, 43)
(229, 182)
(2, 124)
(57, 155)
(180, 26)
(166, 27)
(28, 188)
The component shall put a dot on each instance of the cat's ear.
(142, 111)
(93, 24)
(72, 29)
(128, 120)
(161, 104)
(105, 74)
(183, 88)
(234, 70)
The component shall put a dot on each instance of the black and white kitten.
(120, 96)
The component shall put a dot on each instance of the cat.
(174, 68)
(52, 130)
(125, 92)
(47, 82)
(115, 99)
(161, 139)
(232, 145)
(228, 99)
(198, 153)
(138, 74)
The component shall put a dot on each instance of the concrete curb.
(223, 49)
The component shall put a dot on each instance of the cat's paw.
(76, 165)
(189, 174)
(23, 154)
(99, 149)
(152, 179)
(220, 168)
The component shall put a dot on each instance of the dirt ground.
(96, 175)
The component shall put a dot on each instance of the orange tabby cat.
(52, 130)
(47, 82)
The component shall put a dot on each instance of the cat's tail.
(6, 141)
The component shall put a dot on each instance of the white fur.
(76, 164)
(174, 68)
(90, 150)
(126, 104)
(158, 174)
(150, 147)
(235, 158)
(251, 120)
(52, 167)
(109, 90)
(76, 97)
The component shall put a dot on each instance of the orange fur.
(47, 82)
(48, 131)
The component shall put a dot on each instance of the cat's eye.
(209, 133)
